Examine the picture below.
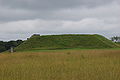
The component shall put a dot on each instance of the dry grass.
(62, 65)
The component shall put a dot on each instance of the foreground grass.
(61, 65)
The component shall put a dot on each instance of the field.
(84, 64)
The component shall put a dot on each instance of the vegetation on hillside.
(66, 41)
(64, 65)
(117, 43)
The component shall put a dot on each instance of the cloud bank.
(21, 18)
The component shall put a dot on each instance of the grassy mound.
(66, 41)
(118, 43)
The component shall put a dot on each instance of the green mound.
(66, 41)
(118, 43)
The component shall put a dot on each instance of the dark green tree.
(7, 45)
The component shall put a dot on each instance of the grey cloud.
(52, 4)
(7, 37)
(8, 14)
(88, 25)
(76, 13)
(21, 18)
(107, 11)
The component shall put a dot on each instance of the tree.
(2, 46)
(7, 45)
(19, 42)
(115, 39)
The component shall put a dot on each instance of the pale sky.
(20, 19)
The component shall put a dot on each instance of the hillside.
(66, 41)
(118, 43)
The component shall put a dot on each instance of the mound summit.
(66, 41)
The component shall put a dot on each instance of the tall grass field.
(92, 64)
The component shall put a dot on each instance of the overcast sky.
(20, 19)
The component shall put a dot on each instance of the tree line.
(4, 46)
(115, 39)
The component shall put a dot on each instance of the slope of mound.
(118, 43)
(66, 41)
